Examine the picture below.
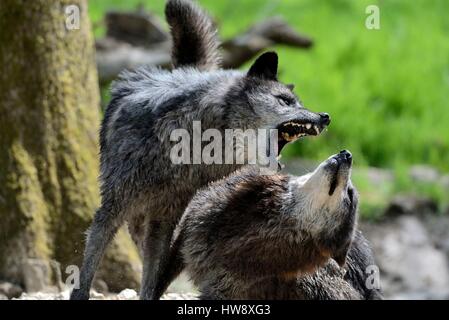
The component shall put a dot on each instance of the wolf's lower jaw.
(286, 136)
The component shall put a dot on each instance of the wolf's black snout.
(325, 118)
(346, 154)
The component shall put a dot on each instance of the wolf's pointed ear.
(291, 86)
(266, 66)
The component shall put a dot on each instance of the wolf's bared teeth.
(293, 124)
(293, 130)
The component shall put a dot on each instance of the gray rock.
(424, 173)
(36, 275)
(3, 297)
(438, 226)
(411, 204)
(444, 181)
(410, 264)
(376, 176)
(422, 295)
(10, 290)
(128, 294)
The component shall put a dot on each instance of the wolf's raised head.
(326, 202)
(274, 105)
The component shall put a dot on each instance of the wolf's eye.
(284, 100)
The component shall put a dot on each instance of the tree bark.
(49, 121)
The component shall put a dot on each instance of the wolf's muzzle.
(343, 159)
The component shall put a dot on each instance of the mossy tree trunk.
(49, 122)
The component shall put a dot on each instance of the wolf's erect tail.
(194, 36)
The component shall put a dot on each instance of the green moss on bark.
(49, 121)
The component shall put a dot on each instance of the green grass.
(386, 90)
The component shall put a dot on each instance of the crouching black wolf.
(252, 236)
(139, 182)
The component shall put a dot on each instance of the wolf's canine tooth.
(308, 126)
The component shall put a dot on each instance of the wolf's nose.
(346, 154)
(325, 118)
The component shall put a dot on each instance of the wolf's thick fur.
(251, 236)
(139, 183)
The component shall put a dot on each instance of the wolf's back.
(194, 36)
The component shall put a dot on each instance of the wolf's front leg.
(156, 249)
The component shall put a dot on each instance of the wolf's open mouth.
(293, 130)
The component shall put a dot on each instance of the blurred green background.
(386, 90)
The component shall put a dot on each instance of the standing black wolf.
(139, 182)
